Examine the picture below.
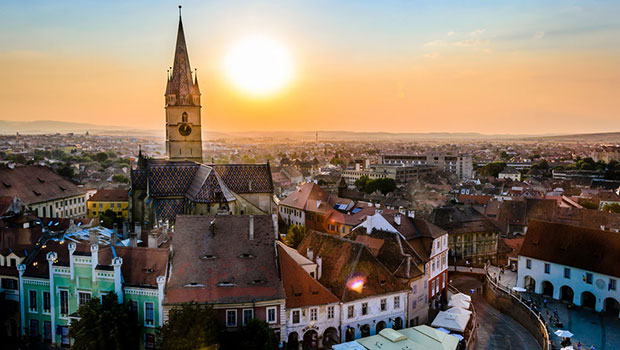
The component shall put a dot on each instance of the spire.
(180, 82)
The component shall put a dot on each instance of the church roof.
(180, 82)
(207, 187)
(246, 178)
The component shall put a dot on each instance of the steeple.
(180, 85)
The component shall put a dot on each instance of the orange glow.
(356, 283)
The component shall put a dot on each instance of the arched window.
(184, 117)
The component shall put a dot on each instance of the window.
(9, 283)
(566, 272)
(64, 302)
(528, 264)
(248, 314)
(414, 304)
(271, 315)
(612, 284)
(415, 289)
(588, 278)
(314, 314)
(34, 328)
(47, 330)
(397, 302)
(46, 302)
(295, 316)
(231, 318)
(330, 312)
(383, 304)
(364, 308)
(133, 310)
(118, 205)
(84, 298)
(547, 268)
(148, 314)
(32, 301)
(350, 311)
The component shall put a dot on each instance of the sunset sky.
(397, 66)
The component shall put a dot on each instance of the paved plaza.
(590, 328)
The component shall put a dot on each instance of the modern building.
(229, 262)
(44, 191)
(462, 165)
(116, 200)
(401, 173)
(63, 276)
(570, 263)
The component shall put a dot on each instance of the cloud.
(450, 33)
(432, 55)
(539, 35)
(477, 32)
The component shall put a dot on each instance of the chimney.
(397, 219)
(152, 240)
(310, 254)
(251, 227)
(411, 214)
(319, 267)
(318, 203)
(138, 230)
(93, 237)
(94, 256)
(125, 229)
(133, 241)
(408, 265)
(118, 286)
(275, 225)
(114, 236)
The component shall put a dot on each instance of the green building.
(65, 275)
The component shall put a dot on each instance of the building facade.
(116, 200)
(462, 165)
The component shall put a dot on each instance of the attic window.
(209, 257)
(225, 284)
(148, 270)
(40, 180)
(37, 193)
(258, 281)
(382, 282)
(62, 188)
(246, 256)
(6, 184)
(193, 285)
(534, 242)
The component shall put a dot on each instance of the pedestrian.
(578, 345)
(592, 347)
(545, 302)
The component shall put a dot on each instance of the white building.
(460, 164)
(510, 173)
(573, 264)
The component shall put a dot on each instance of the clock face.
(185, 129)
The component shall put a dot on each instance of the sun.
(258, 66)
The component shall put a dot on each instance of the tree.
(492, 169)
(101, 157)
(294, 235)
(504, 155)
(589, 205)
(120, 178)
(192, 326)
(108, 218)
(360, 183)
(611, 207)
(105, 324)
(66, 171)
(384, 185)
(256, 335)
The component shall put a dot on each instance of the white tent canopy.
(461, 296)
(453, 322)
(458, 311)
(463, 304)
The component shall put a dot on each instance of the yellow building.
(116, 200)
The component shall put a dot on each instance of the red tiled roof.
(110, 195)
(35, 184)
(301, 196)
(300, 288)
(580, 247)
(219, 263)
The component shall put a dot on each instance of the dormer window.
(193, 285)
(225, 284)
(246, 256)
(209, 257)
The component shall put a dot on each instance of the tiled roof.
(300, 288)
(246, 178)
(215, 261)
(579, 247)
(141, 266)
(207, 187)
(111, 195)
(343, 260)
(35, 184)
(457, 220)
(300, 197)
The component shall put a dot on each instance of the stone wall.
(502, 300)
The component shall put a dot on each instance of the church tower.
(183, 125)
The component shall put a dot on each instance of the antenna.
(180, 10)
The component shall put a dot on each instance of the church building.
(180, 183)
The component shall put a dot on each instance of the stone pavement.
(590, 327)
(497, 330)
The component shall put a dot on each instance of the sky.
(493, 67)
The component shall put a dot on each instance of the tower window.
(184, 117)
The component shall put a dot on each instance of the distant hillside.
(612, 137)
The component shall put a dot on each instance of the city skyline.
(522, 68)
